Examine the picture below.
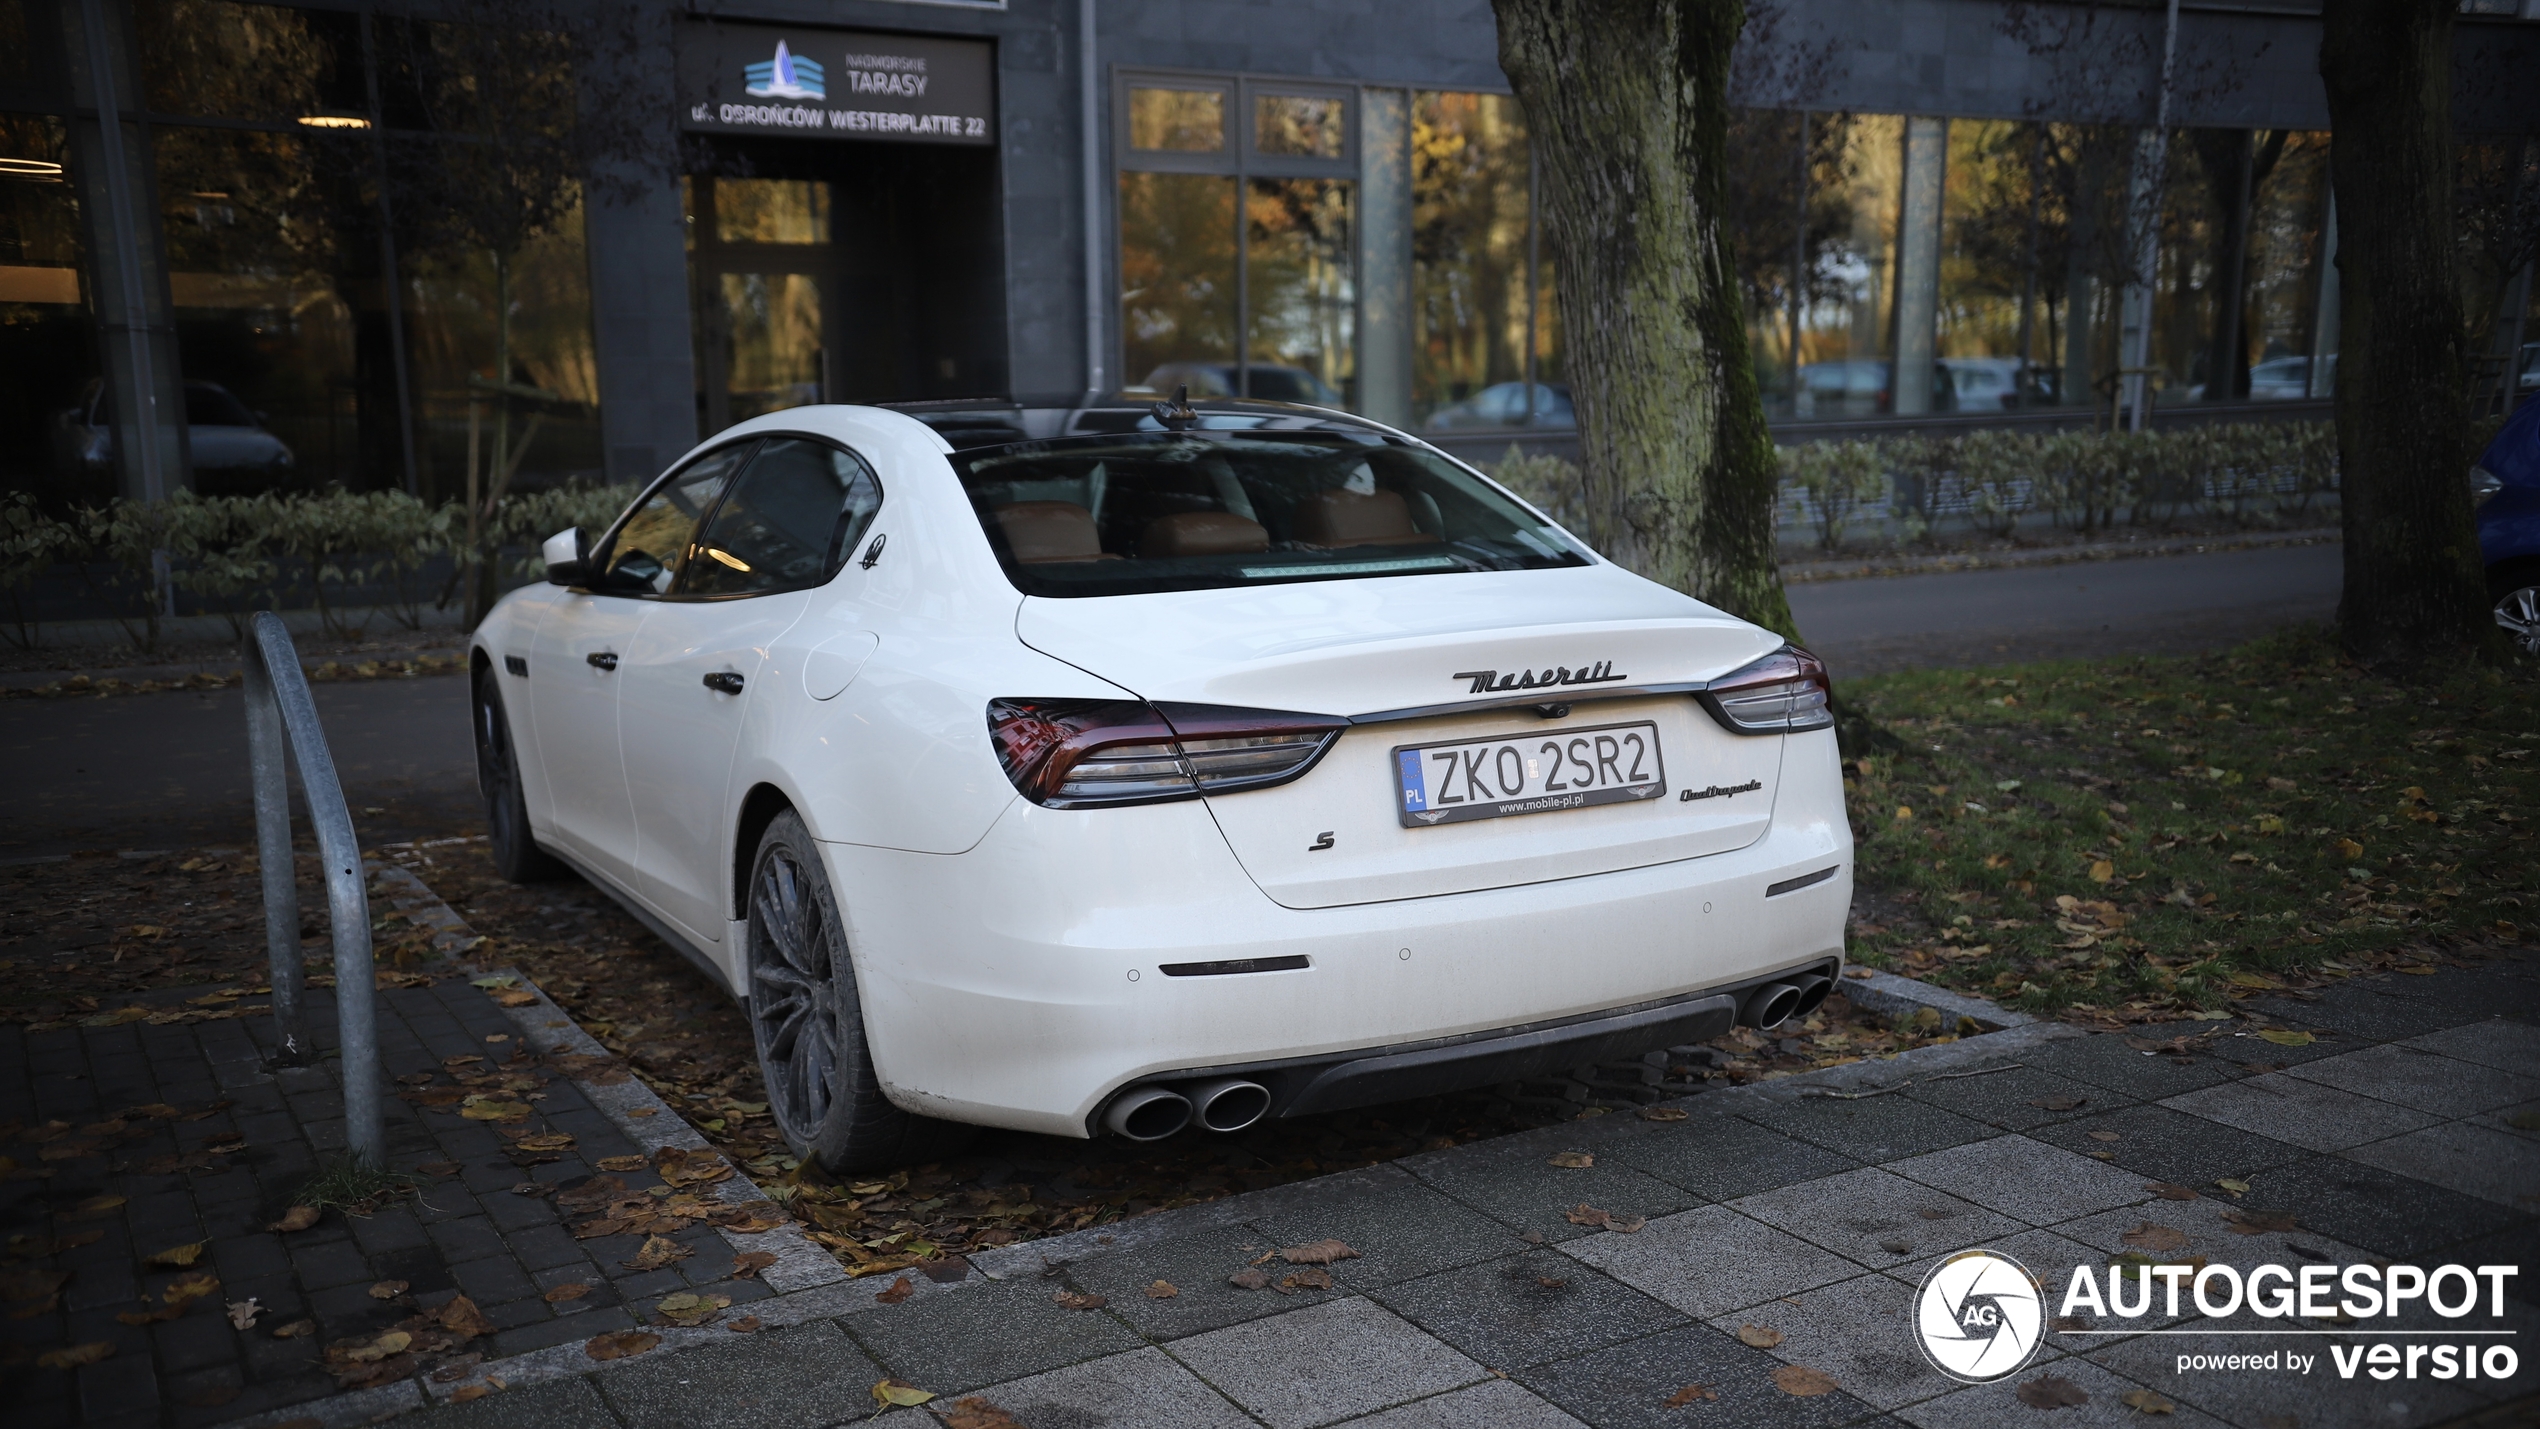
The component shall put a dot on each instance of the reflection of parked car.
(2506, 486)
(227, 440)
(1862, 387)
(1503, 404)
(2287, 379)
(1268, 381)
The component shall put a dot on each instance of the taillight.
(1783, 693)
(1072, 754)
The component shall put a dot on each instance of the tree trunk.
(2414, 590)
(1627, 108)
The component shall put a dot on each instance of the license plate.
(1535, 774)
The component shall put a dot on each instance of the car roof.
(973, 423)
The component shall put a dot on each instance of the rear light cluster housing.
(1079, 754)
(1082, 754)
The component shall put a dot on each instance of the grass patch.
(356, 1185)
(2144, 839)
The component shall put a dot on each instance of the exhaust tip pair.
(1771, 1004)
(1152, 1113)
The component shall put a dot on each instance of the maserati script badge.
(1491, 682)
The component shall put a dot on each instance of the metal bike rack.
(279, 706)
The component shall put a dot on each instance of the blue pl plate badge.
(1415, 788)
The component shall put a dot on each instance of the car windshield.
(1208, 509)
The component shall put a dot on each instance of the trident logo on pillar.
(788, 76)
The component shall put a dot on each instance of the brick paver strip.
(1476, 1300)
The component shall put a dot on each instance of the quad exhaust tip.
(1812, 993)
(1769, 1006)
(1148, 1113)
(1229, 1104)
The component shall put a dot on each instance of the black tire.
(517, 856)
(808, 1021)
(2513, 591)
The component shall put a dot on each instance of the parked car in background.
(1503, 404)
(2506, 486)
(1252, 762)
(1864, 387)
(233, 453)
(1267, 381)
(2288, 379)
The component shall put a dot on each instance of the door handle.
(725, 681)
(601, 659)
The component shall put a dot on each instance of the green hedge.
(134, 560)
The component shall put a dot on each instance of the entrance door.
(767, 293)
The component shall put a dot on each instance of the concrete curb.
(1884, 994)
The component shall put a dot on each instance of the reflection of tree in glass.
(1177, 270)
(1468, 245)
(1190, 121)
(1298, 267)
(1308, 125)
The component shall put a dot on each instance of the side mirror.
(568, 557)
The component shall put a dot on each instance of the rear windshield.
(1200, 510)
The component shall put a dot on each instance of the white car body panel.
(1007, 953)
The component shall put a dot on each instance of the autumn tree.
(1627, 105)
(2414, 588)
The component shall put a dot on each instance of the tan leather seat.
(1044, 533)
(1202, 533)
(1341, 517)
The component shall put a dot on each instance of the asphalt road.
(2156, 605)
(170, 771)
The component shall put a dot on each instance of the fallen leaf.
(463, 1320)
(389, 1343)
(658, 1251)
(1320, 1252)
(691, 1308)
(1575, 1160)
(1759, 1336)
(2106, 1136)
(1584, 1214)
(518, 997)
(439, 1168)
(1688, 1395)
(1163, 1290)
(188, 1290)
(388, 1290)
(1304, 1280)
(468, 1392)
(2058, 1103)
(96, 1206)
(747, 1324)
(2169, 1192)
(2524, 1120)
(749, 1263)
(2349, 849)
(2259, 1222)
(2284, 1038)
(571, 1290)
(622, 1163)
(620, 1344)
(2156, 1237)
(243, 1313)
(2144, 1401)
(1549, 1283)
(2052, 1392)
(1075, 1301)
(1663, 1113)
(176, 1256)
(295, 1329)
(2069, 1322)
(545, 1141)
(1801, 1382)
(1248, 1280)
(977, 1413)
(2236, 1188)
(899, 1290)
(73, 1356)
(298, 1218)
(2101, 871)
(484, 1108)
(898, 1393)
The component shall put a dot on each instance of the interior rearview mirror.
(568, 557)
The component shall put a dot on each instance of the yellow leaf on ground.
(176, 1257)
(2102, 871)
(1575, 1160)
(619, 1344)
(899, 1393)
(2283, 1037)
(73, 1356)
(518, 997)
(2144, 1401)
(1801, 1382)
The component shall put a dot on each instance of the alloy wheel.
(793, 995)
(2518, 611)
(496, 772)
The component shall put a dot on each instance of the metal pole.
(2154, 157)
(136, 300)
(339, 852)
(266, 758)
(1089, 117)
(1534, 270)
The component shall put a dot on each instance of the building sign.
(801, 82)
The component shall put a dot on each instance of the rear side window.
(1206, 509)
(786, 523)
(655, 539)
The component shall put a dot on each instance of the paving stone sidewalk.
(1811, 1207)
(202, 1141)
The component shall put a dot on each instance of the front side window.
(654, 541)
(1241, 504)
(786, 523)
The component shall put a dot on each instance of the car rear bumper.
(1025, 982)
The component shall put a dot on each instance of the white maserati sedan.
(1122, 769)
